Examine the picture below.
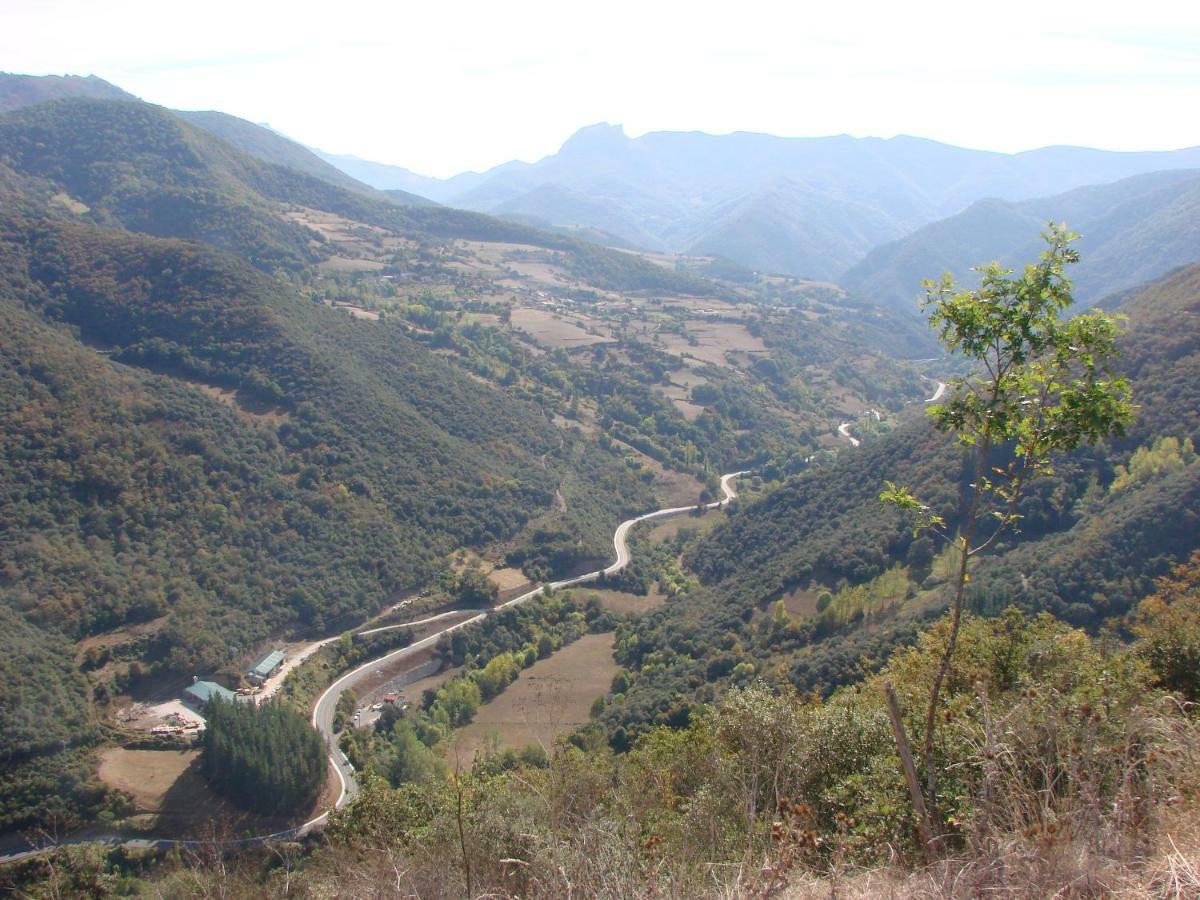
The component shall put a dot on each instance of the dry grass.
(358, 312)
(1137, 838)
(350, 264)
(171, 797)
(621, 602)
(713, 341)
(552, 329)
(802, 602)
(669, 528)
(68, 202)
(507, 579)
(671, 488)
(146, 775)
(412, 692)
(550, 698)
(543, 272)
(271, 417)
(119, 636)
(679, 397)
(1172, 872)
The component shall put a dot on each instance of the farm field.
(507, 578)
(679, 397)
(670, 528)
(552, 330)
(670, 487)
(170, 796)
(148, 776)
(801, 603)
(551, 698)
(624, 603)
(713, 340)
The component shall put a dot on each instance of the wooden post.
(924, 830)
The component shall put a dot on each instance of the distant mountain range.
(392, 178)
(874, 215)
(812, 207)
(1133, 231)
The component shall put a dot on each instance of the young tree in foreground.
(1043, 386)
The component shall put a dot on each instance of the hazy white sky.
(441, 87)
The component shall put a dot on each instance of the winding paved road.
(323, 711)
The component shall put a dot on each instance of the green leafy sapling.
(1043, 385)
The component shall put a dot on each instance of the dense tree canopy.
(266, 759)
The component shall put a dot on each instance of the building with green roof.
(199, 693)
(266, 667)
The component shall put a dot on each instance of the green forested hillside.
(349, 415)
(136, 165)
(192, 448)
(1090, 545)
(200, 454)
(145, 169)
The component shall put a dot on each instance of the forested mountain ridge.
(373, 415)
(264, 144)
(21, 91)
(139, 167)
(1092, 539)
(17, 91)
(145, 169)
(1134, 230)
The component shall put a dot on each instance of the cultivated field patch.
(552, 329)
(171, 797)
(625, 603)
(710, 342)
(148, 775)
(680, 398)
(802, 602)
(669, 528)
(506, 579)
(551, 698)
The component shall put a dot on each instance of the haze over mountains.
(811, 207)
